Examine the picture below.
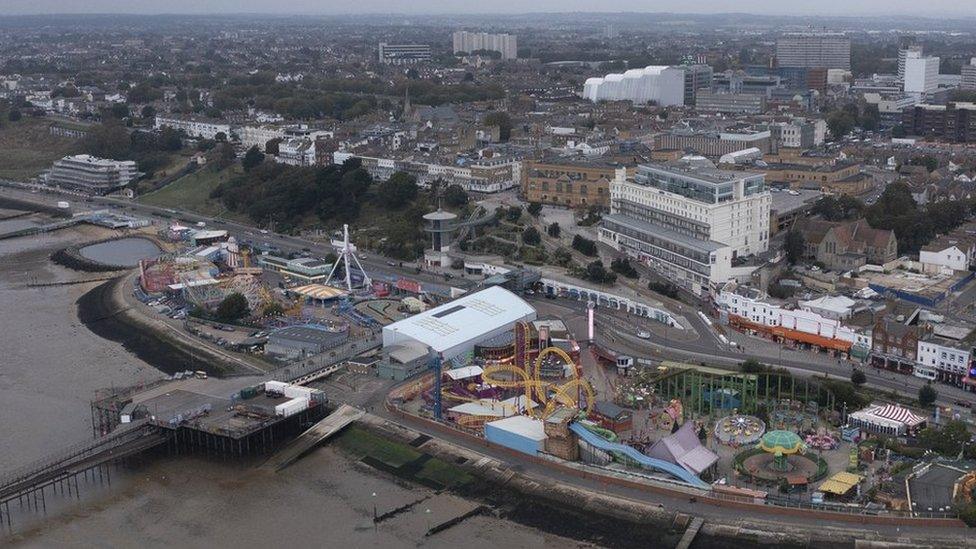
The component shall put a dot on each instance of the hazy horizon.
(880, 8)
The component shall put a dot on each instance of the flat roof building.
(456, 327)
(827, 50)
(689, 221)
(91, 174)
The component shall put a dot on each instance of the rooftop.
(457, 322)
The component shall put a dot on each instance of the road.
(610, 323)
(618, 331)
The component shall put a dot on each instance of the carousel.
(739, 430)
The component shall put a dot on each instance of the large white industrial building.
(451, 330)
(662, 85)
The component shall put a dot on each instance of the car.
(264, 231)
(963, 403)
(391, 263)
(643, 334)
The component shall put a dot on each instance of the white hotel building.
(193, 127)
(689, 223)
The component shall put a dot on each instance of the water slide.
(677, 471)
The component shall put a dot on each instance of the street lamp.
(427, 514)
(374, 509)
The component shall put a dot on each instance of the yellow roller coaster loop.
(534, 385)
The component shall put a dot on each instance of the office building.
(921, 74)
(955, 122)
(467, 42)
(403, 54)
(698, 78)
(799, 133)
(90, 174)
(968, 76)
(730, 103)
(826, 50)
(571, 183)
(714, 144)
(657, 84)
(689, 221)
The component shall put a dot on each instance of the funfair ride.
(523, 374)
(347, 256)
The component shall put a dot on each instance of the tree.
(622, 266)
(584, 246)
(503, 121)
(252, 158)
(14, 115)
(398, 191)
(858, 378)
(793, 245)
(840, 123)
(752, 366)
(531, 237)
(148, 111)
(534, 209)
(271, 147)
(513, 214)
(224, 155)
(106, 141)
(927, 395)
(234, 307)
(948, 440)
(596, 272)
(840, 208)
(554, 230)
(220, 137)
(455, 196)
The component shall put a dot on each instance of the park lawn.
(27, 148)
(192, 192)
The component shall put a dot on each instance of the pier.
(321, 431)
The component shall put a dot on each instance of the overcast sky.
(930, 8)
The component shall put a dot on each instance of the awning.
(317, 291)
(793, 335)
(841, 483)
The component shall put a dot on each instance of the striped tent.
(899, 414)
(886, 419)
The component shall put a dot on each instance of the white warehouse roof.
(463, 322)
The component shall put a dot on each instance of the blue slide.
(597, 441)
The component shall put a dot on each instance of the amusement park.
(527, 384)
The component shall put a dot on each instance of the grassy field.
(27, 148)
(192, 192)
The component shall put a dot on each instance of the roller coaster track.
(537, 389)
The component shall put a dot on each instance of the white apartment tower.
(467, 42)
(921, 74)
(689, 222)
(903, 54)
